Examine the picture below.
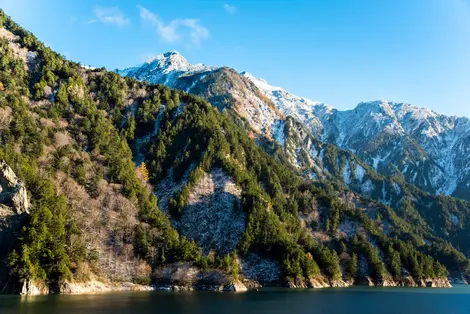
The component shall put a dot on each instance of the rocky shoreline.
(30, 288)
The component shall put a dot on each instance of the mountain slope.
(223, 87)
(298, 124)
(227, 211)
(428, 148)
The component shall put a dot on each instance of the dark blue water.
(327, 301)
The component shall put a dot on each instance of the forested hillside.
(134, 182)
(290, 128)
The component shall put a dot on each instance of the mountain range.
(429, 149)
(177, 176)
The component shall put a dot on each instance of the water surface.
(327, 301)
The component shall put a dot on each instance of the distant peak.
(168, 57)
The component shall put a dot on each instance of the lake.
(361, 300)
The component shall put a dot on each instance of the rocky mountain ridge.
(429, 149)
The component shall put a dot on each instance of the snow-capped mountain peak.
(165, 69)
(170, 61)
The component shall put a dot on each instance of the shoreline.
(92, 287)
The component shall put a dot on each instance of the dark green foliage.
(351, 267)
(147, 111)
(111, 90)
(44, 253)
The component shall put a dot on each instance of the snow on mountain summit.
(170, 61)
(165, 69)
(260, 83)
(303, 109)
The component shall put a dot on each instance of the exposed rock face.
(34, 288)
(437, 283)
(97, 286)
(317, 283)
(235, 286)
(386, 283)
(261, 269)
(430, 149)
(30, 288)
(340, 283)
(186, 277)
(212, 216)
(12, 191)
(407, 281)
(14, 204)
(29, 58)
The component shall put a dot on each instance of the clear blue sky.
(338, 52)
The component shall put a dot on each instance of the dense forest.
(115, 140)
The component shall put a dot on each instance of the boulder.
(235, 286)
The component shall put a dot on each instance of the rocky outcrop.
(340, 283)
(14, 206)
(235, 286)
(97, 286)
(183, 276)
(261, 269)
(317, 283)
(406, 281)
(12, 190)
(30, 288)
(212, 216)
(34, 288)
(436, 283)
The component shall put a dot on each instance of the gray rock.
(12, 190)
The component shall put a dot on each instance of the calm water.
(329, 301)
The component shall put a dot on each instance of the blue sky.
(338, 52)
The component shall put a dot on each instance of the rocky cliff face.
(14, 205)
(12, 191)
(212, 215)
